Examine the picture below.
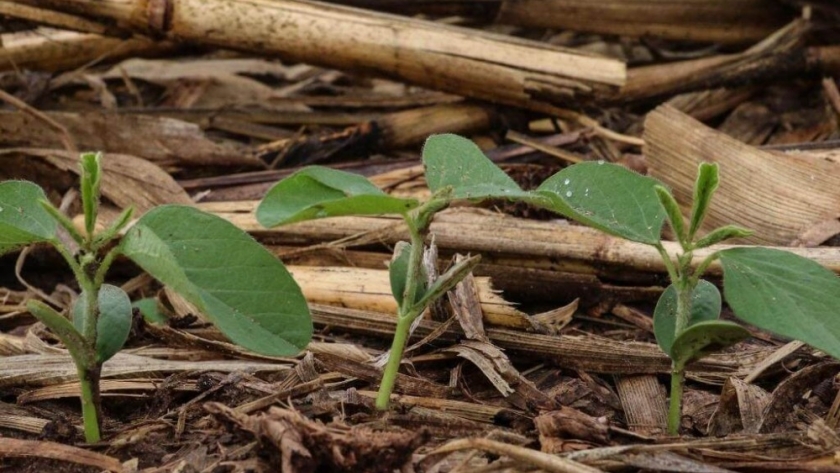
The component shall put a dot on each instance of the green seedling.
(241, 287)
(771, 289)
(455, 170)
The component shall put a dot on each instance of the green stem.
(91, 405)
(418, 223)
(704, 265)
(685, 287)
(675, 409)
(404, 316)
(415, 263)
(106, 263)
(91, 294)
(683, 306)
(71, 261)
(669, 265)
(393, 366)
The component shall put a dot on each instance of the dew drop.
(600, 162)
(568, 193)
(566, 182)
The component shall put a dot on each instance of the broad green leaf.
(91, 175)
(721, 234)
(704, 338)
(22, 219)
(241, 287)
(318, 192)
(452, 160)
(705, 306)
(398, 272)
(113, 323)
(784, 294)
(672, 211)
(607, 197)
(148, 307)
(707, 182)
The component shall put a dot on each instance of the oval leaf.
(784, 294)
(318, 192)
(704, 338)
(22, 219)
(605, 196)
(241, 287)
(705, 306)
(398, 272)
(452, 160)
(114, 322)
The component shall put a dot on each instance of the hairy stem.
(684, 285)
(91, 295)
(675, 408)
(684, 291)
(91, 402)
(704, 265)
(106, 263)
(669, 264)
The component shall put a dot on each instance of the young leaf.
(705, 306)
(91, 175)
(398, 272)
(672, 210)
(452, 160)
(785, 294)
(707, 182)
(704, 338)
(22, 219)
(607, 197)
(113, 324)
(241, 287)
(723, 233)
(318, 192)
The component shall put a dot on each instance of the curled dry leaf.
(777, 415)
(739, 410)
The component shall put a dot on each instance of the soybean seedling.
(772, 289)
(240, 286)
(455, 170)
